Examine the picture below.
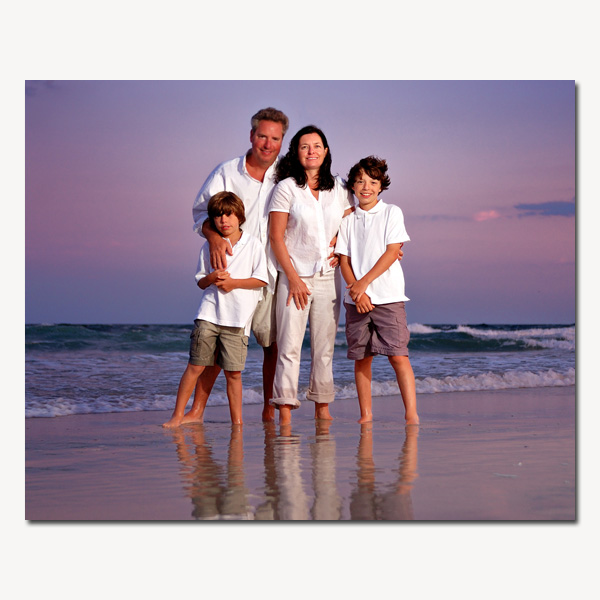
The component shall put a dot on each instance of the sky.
(484, 172)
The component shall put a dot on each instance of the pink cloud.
(486, 215)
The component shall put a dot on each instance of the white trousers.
(322, 313)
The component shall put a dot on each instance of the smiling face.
(266, 142)
(311, 151)
(366, 189)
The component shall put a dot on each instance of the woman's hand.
(299, 292)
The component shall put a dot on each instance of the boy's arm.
(385, 261)
(363, 305)
(211, 278)
(226, 283)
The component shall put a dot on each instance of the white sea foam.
(418, 328)
(557, 337)
(467, 383)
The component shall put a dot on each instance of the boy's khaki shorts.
(381, 331)
(228, 346)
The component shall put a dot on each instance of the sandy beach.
(477, 456)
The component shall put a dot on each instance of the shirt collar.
(244, 170)
(363, 213)
(241, 242)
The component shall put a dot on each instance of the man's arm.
(219, 247)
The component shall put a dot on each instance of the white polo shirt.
(234, 308)
(312, 223)
(364, 236)
(233, 176)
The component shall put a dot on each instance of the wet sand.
(477, 456)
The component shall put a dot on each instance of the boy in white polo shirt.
(368, 243)
(223, 320)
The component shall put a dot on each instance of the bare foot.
(268, 414)
(285, 415)
(173, 422)
(366, 418)
(412, 420)
(192, 418)
(322, 412)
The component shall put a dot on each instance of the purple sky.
(484, 172)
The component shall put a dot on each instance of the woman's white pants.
(322, 314)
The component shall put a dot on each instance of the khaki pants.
(322, 314)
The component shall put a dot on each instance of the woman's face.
(311, 151)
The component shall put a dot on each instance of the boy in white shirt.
(368, 244)
(223, 320)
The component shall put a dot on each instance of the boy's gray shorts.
(229, 344)
(381, 331)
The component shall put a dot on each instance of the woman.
(306, 211)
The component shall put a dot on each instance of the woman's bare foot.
(366, 418)
(285, 415)
(322, 411)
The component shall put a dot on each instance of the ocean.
(77, 369)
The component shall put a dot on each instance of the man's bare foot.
(173, 422)
(366, 418)
(268, 414)
(322, 412)
(192, 418)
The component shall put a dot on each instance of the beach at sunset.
(503, 455)
(487, 119)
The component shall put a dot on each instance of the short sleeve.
(215, 183)
(203, 268)
(281, 200)
(395, 232)
(259, 270)
(341, 246)
(345, 195)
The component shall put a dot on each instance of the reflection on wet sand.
(328, 503)
(367, 503)
(286, 496)
(216, 491)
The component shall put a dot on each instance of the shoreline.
(476, 456)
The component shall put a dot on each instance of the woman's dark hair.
(289, 165)
(375, 168)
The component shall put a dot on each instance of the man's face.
(266, 142)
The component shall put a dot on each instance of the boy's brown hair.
(225, 203)
(375, 168)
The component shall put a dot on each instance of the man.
(252, 178)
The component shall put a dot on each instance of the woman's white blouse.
(312, 224)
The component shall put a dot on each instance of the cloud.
(564, 208)
(486, 215)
